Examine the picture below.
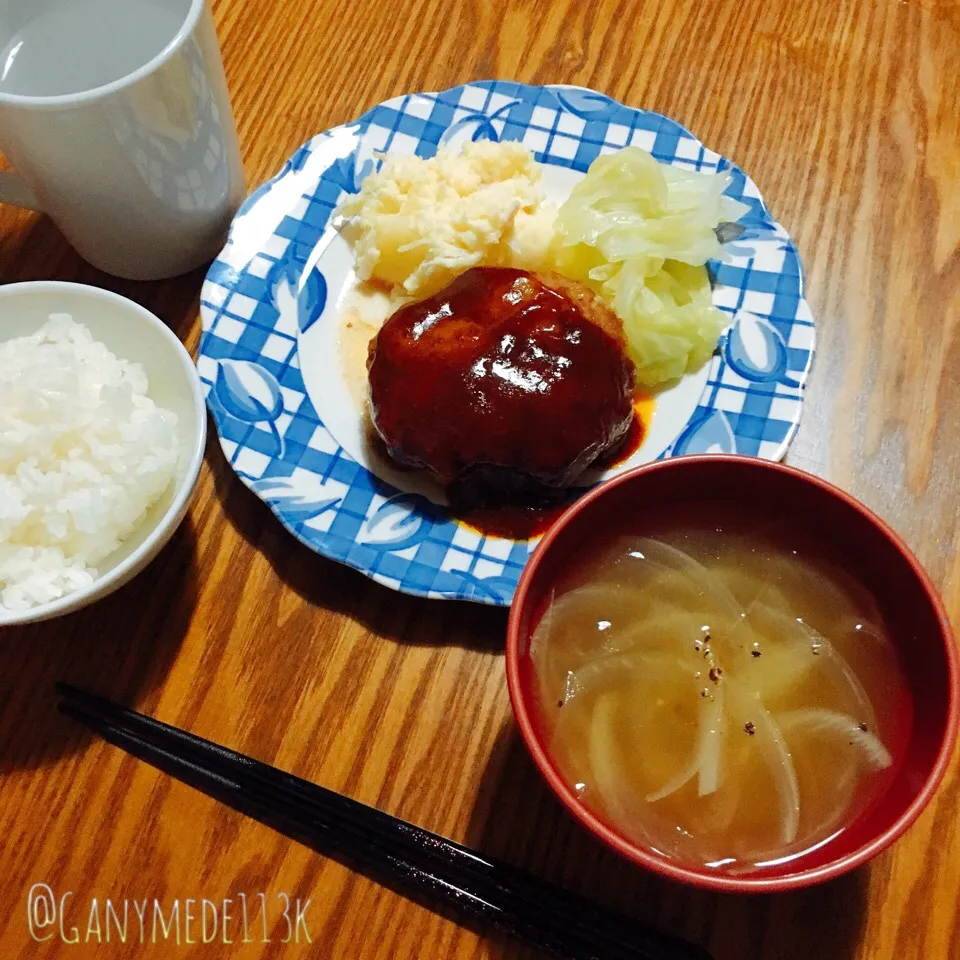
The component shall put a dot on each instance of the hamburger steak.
(506, 384)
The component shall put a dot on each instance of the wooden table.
(846, 114)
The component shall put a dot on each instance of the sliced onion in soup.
(614, 668)
(711, 745)
(830, 768)
(677, 631)
(804, 650)
(785, 656)
(841, 675)
(820, 594)
(621, 803)
(776, 754)
(857, 734)
(702, 698)
(704, 763)
(587, 622)
(710, 585)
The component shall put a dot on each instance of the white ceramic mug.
(116, 118)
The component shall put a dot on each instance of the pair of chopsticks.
(423, 866)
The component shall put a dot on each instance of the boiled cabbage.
(639, 233)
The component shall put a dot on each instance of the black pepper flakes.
(715, 674)
(750, 728)
(559, 703)
(754, 653)
(862, 726)
(703, 692)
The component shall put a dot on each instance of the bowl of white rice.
(102, 431)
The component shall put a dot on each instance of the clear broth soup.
(726, 695)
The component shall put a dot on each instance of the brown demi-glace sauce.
(506, 385)
(643, 407)
(518, 522)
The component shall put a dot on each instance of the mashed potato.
(416, 224)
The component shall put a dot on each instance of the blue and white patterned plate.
(274, 381)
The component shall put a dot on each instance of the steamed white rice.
(84, 452)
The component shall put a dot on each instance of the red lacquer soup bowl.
(867, 548)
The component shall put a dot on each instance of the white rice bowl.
(102, 428)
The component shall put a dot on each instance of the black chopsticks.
(424, 866)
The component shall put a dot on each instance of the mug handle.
(14, 190)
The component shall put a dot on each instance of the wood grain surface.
(845, 112)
